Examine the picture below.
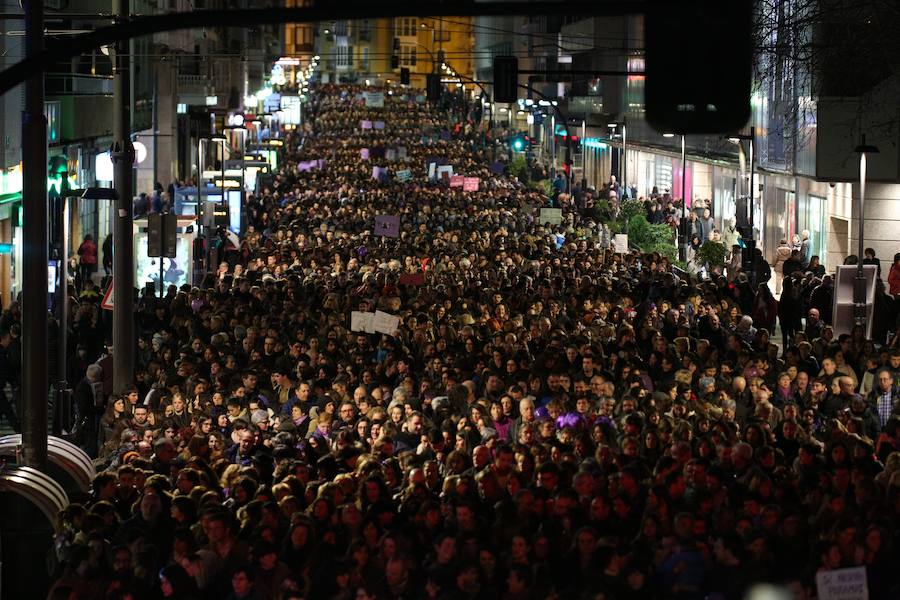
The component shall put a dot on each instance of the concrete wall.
(881, 220)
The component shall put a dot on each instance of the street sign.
(107, 303)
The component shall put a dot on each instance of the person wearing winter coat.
(87, 261)
(782, 254)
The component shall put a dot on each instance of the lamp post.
(751, 138)
(683, 224)
(623, 172)
(859, 285)
(62, 294)
(201, 207)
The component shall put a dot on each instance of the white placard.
(842, 584)
(620, 243)
(386, 323)
(362, 321)
(550, 215)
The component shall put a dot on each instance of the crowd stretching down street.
(542, 418)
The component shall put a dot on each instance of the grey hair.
(94, 371)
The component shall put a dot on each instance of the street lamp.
(62, 294)
(201, 208)
(736, 139)
(613, 126)
(859, 286)
(683, 224)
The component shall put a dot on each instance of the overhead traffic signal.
(683, 98)
(518, 143)
(433, 87)
(506, 79)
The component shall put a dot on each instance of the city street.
(415, 307)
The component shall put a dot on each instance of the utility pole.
(123, 250)
(35, 255)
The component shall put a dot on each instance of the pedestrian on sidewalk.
(782, 254)
(87, 257)
(789, 310)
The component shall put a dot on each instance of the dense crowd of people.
(548, 419)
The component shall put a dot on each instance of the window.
(635, 86)
(342, 57)
(306, 37)
(365, 31)
(408, 56)
(364, 59)
(407, 27)
(340, 28)
(441, 34)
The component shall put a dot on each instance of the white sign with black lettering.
(842, 584)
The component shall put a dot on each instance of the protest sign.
(412, 279)
(471, 184)
(550, 215)
(497, 168)
(374, 99)
(365, 124)
(362, 321)
(386, 323)
(364, 153)
(379, 124)
(457, 181)
(445, 171)
(404, 175)
(387, 226)
(390, 154)
(842, 584)
(620, 243)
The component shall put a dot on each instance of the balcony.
(193, 84)
(69, 84)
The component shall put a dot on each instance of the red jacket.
(88, 252)
(894, 280)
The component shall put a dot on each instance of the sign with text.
(387, 226)
(550, 215)
(620, 243)
(842, 584)
(471, 184)
(364, 153)
(366, 124)
(457, 181)
(404, 175)
(362, 321)
(378, 124)
(386, 323)
(374, 99)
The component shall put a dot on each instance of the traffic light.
(689, 89)
(433, 87)
(518, 143)
(395, 55)
(506, 79)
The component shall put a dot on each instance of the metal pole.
(752, 191)
(123, 223)
(624, 159)
(862, 207)
(683, 225)
(859, 286)
(62, 304)
(35, 255)
(155, 125)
